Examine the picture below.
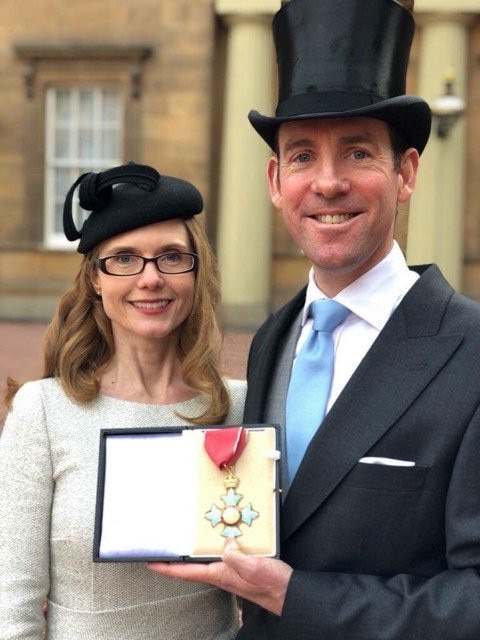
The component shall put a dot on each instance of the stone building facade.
(85, 86)
(169, 83)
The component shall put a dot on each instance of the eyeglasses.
(126, 264)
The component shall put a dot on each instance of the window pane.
(62, 182)
(64, 106)
(85, 144)
(110, 144)
(58, 217)
(86, 107)
(110, 106)
(61, 142)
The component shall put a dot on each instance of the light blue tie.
(311, 381)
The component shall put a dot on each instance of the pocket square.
(391, 462)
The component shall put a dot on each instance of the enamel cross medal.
(224, 447)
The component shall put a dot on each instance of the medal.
(224, 447)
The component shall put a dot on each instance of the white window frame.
(76, 165)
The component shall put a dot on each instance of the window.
(84, 113)
(84, 132)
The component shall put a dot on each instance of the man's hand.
(260, 580)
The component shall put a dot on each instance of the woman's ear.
(95, 280)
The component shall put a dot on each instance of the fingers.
(260, 580)
(212, 573)
(182, 571)
(239, 563)
(231, 544)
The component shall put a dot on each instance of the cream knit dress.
(48, 476)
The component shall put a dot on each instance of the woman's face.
(151, 304)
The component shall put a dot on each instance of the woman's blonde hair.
(78, 343)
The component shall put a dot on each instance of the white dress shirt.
(372, 299)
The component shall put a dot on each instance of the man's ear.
(407, 174)
(274, 182)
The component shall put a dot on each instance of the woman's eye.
(123, 259)
(172, 258)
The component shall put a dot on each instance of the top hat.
(125, 198)
(345, 58)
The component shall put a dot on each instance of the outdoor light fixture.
(448, 107)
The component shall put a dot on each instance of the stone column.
(436, 212)
(244, 233)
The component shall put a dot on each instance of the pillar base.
(34, 307)
(242, 317)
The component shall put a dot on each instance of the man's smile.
(336, 218)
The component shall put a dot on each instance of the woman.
(133, 343)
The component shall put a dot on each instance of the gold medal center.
(231, 515)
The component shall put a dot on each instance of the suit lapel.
(405, 357)
(264, 355)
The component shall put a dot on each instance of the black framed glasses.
(127, 264)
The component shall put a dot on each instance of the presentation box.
(160, 496)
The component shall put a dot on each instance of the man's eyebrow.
(296, 143)
(356, 138)
(359, 138)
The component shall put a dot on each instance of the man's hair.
(408, 4)
(399, 145)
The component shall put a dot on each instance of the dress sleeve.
(26, 486)
(237, 390)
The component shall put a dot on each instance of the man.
(380, 525)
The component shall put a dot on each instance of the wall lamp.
(447, 108)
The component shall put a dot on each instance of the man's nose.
(329, 181)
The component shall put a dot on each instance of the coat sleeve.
(26, 487)
(368, 607)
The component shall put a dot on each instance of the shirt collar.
(376, 294)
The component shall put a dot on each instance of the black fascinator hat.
(125, 198)
(345, 58)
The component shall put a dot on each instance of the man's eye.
(359, 154)
(302, 157)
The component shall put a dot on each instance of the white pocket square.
(391, 462)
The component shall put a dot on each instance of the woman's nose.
(150, 277)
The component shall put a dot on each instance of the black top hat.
(345, 58)
(126, 198)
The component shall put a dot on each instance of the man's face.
(335, 182)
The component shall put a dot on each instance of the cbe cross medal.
(224, 447)
(231, 515)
